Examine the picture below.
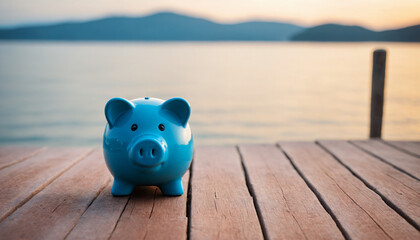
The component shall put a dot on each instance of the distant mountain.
(168, 26)
(341, 33)
(164, 26)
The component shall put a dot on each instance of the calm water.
(54, 93)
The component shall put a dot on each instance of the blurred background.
(253, 71)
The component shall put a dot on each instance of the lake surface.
(54, 93)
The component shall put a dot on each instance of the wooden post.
(377, 97)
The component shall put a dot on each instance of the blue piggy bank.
(147, 142)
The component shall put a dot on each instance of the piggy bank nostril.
(148, 152)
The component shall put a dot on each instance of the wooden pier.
(290, 190)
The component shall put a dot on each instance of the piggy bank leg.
(173, 188)
(121, 188)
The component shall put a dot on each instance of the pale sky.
(375, 14)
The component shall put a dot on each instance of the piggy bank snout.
(148, 152)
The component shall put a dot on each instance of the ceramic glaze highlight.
(147, 142)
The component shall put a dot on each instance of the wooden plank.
(289, 209)
(11, 154)
(21, 181)
(401, 160)
(221, 206)
(398, 188)
(410, 147)
(53, 212)
(360, 211)
(151, 215)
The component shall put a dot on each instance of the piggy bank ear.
(177, 108)
(115, 108)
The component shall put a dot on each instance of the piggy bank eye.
(134, 127)
(161, 127)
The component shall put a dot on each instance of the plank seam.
(33, 154)
(43, 186)
(317, 194)
(153, 206)
(288, 208)
(253, 195)
(367, 184)
(383, 160)
(189, 195)
(300, 227)
(377, 224)
(119, 217)
(400, 149)
(90, 203)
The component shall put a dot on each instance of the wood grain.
(151, 215)
(21, 181)
(221, 206)
(397, 158)
(65, 193)
(54, 211)
(290, 210)
(401, 190)
(99, 220)
(411, 147)
(360, 211)
(12, 154)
